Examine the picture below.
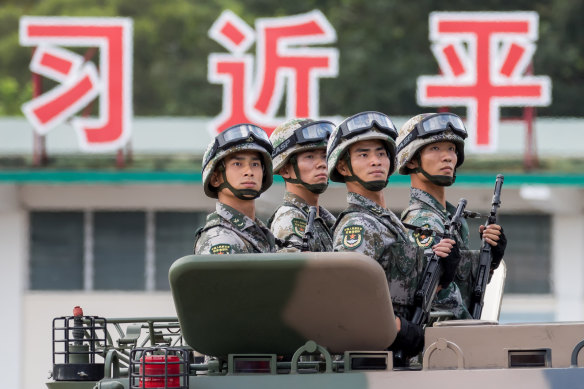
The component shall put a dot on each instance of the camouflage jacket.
(375, 231)
(228, 231)
(425, 211)
(289, 222)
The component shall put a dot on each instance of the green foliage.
(383, 45)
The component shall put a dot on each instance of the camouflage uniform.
(289, 221)
(228, 231)
(367, 228)
(425, 211)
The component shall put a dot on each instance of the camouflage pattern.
(228, 231)
(425, 211)
(283, 132)
(409, 152)
(247, 146)
(335, 155)
(367, 228)
(289, 222)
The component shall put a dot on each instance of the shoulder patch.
(299, 226)
(423, 240)
(221, 248)
(352, 237)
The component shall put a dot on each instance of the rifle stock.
(478, 293)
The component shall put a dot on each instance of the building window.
(56, 250)
(527, 254)
(119, 250)
(175, 232)
(108, 250)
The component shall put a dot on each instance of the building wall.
(33, 310)
(28, 313)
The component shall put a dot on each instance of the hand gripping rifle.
(309, 229)
(429, 282)
(478, 293)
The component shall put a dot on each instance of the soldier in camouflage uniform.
(237, 168)
(430, 148)
(299, 156)
(361, 153)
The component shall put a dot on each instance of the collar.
(357, 199)
(233, 216)
(418, 195)
(299, 203)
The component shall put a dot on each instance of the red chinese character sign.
(483, 58)
(284, 61)
(80, 81)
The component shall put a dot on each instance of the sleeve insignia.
(423, 240)
(221, 248)
(298, 226)
(352, 237)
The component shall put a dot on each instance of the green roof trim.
(62, 177)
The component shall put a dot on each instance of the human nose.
(375, 160)
(321, 162)
(248, 169)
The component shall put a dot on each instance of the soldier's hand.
(495, 236)
(450, 254)
(492, 233)
(409, 339)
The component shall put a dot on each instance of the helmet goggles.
(311, 133)
(237, 134)
(434, 124)
(362, 122)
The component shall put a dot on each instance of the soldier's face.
(439, 158)
(243, 171)
(311, 166)
(369, 160)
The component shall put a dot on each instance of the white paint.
(13, 240)
(568, 266)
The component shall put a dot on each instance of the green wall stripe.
(152, 177)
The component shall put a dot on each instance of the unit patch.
(299, 226)
(352, 237)
(221, 248)
(424, 240)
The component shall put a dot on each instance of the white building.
(104, 239)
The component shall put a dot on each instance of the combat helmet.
(295, 136)
(425, 129)
(362, 126)
(241, 137)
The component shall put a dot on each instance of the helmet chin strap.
(373, 186)
(242, 194)
(314, 188)
(436, 179)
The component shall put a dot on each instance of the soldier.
(237, 168)
(361, 153)
(299, 156)
(430, 148)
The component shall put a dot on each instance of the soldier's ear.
(412, 164)
(342, 168)
(216, 178)
(285, 171)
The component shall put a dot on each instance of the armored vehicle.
(305, 320)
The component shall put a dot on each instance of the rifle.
(427, 290)
(478, 293)
(309, 229)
